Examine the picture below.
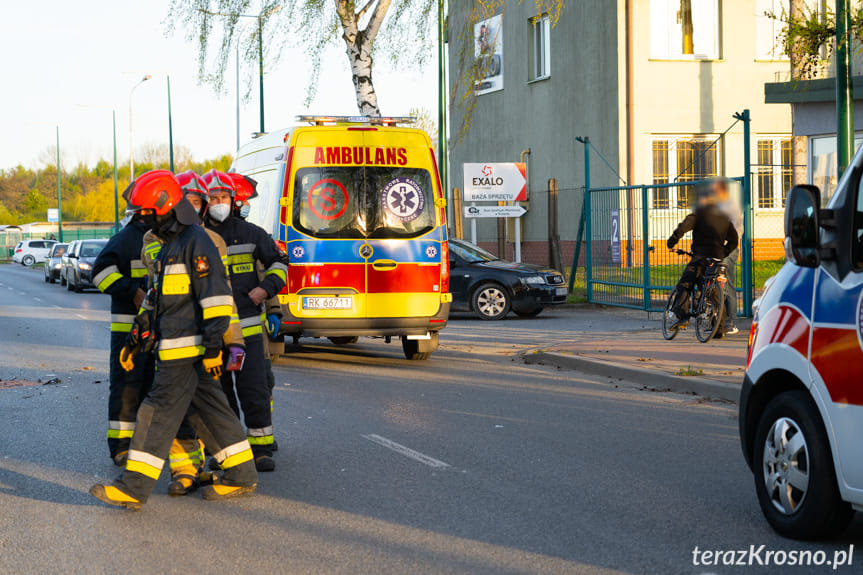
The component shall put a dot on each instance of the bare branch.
(364, 9)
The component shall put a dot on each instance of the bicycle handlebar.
(692, 255)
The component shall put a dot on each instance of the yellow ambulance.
(357, 204)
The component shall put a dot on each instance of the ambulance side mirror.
(802, 226)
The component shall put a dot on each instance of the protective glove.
(127, 357)
(141, 335)
(213, 362)
(672, 241)
(273, 324)
(236, 358)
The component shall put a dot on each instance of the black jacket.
(193, 299)
(119, 272)
(713, 234)
(248, 244)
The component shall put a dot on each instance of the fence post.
(457, 214)
(553, 233)
(747, 217)
(645, 247)
(586, 141)
(588, 247)
(501, 235)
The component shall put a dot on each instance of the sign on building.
(495, 182)
(53, 215)
(488, 49)
(494, 211)
(615, 236)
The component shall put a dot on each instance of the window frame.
(539, 35)
(673, 169)
(669, 15)
(776, 170)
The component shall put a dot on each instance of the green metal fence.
(628, 263)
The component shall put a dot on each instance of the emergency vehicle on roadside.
(801, 406)
(357, 204)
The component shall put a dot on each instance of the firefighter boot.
(113, 496)
(185, 459)
(219, 490)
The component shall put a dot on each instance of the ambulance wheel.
(344, 340)
(419, 349)
(794, 474)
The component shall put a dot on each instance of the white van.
(801, 407)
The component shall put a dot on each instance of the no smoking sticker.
(403, 199)
(328, 199)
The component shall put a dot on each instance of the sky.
(70, 63)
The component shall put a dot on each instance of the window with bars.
(687, 159)
(773, 171)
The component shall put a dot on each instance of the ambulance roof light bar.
(373, 120)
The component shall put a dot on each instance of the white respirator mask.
(244, 211)
(219, 212)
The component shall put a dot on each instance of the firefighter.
(191, 306)
(186, 457)
(119, 272)
(247, 245)
(246, 189)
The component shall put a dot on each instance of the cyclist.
(713, 236)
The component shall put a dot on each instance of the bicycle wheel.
(710, 312)
(667, 322)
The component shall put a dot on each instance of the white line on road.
(10, 289)
(57, 306)
(81, 316)
(406, 451)
(37, 299)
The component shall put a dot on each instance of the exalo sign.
(495, 182)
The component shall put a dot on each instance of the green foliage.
(88, 192)
(808, 36)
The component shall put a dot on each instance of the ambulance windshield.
(363, 202)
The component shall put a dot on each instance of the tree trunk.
(359, 54)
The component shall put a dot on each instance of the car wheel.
(78, 287)
(532, 313)
(344, 340)
(491, 301)
(45, 275)
(62, 279)
(794, 474)
(69, 285)
(28, 260)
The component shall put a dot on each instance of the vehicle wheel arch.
(771, 384)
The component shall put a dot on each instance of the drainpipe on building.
(630, 144)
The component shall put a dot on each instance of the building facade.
(654, 84)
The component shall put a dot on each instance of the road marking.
(56, 306)
(406, 451)
(37, 299)
(10, 289)
(81, 316)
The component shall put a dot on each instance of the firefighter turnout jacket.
(119, 272)
(248, 244)
(193, 299)
(149, 253)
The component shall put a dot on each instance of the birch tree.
(400, 30)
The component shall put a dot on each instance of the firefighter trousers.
(177, 385)
(251, 387)
(126, 392)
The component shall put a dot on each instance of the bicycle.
(707, 305)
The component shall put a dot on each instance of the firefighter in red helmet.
(191, 312)
(248, 245)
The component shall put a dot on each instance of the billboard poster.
(488, 49)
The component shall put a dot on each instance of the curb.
(643, 376)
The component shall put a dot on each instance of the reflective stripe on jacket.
(119, 272)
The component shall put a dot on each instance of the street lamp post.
(260, 18)
(170, 127)
(116, 189)
(442, 101)
(131, 148)
(59, 194)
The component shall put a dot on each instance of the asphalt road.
(497, 467)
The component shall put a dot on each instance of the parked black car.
(78, 263)
(490, 287)
(54, 263)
